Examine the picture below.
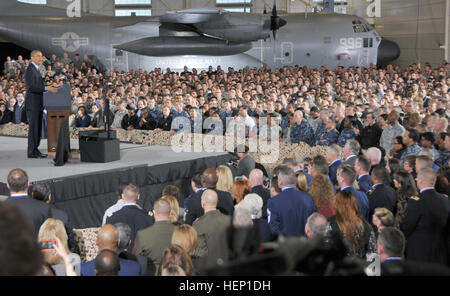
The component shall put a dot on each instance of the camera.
(47, 245)
(238, 178)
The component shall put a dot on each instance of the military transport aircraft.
(198, 38)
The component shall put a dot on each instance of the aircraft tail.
(14, 8)
(6, 4)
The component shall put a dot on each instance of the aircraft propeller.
(276, 22)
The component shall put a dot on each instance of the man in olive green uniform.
(212, 230)
(151, 241)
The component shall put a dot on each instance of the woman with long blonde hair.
(224, 179)
(53, 229)
(174, 214)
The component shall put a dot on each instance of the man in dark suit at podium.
(34, 103)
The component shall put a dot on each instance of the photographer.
(244, 163)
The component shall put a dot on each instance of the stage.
(85, 190)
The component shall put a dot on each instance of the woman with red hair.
(348, 224)
(240, 189)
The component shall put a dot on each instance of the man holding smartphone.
(34, 103)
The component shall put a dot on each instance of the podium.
(58, 108)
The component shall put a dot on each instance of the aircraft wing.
(191, 16)
(205, 31)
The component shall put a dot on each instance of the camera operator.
(244, 164)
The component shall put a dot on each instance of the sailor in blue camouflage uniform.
(444, 156)
(321, 129)
(178, 111)
(301, 131)
(181, 120)
(154, 111)
(410, 138)
(443, 159)
(328, 134)
(348, 133)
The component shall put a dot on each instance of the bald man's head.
(256, 177)
(107, 238)
(107, 263)
(209, 178)
(209, 199)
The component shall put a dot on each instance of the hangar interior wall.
(417, 26)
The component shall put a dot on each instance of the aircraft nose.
(387, 52)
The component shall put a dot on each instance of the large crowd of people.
(382, 187)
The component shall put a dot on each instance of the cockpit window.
(359, 28)
(369, 27)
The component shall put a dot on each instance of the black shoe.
(33, 156)
(41, 155)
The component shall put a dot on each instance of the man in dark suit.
(34, 103)
(425, 221)
(362, 167)
(346, 176)
(256, 181)
(333, 153)
(381, 195)
(130, 214)
(370, 134)
(124, 235)
(41, 192)
(289, 210)
(194, 208)
(35, 211)
(351, 151)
